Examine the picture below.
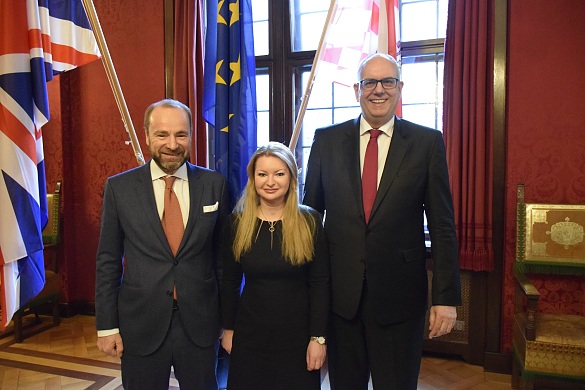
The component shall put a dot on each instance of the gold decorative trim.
(552, 233)
(555, 359)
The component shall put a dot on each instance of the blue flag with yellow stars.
(229, 100)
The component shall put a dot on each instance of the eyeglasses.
(387, 83)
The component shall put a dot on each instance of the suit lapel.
(196, 189)
(145, 194)
(350, 156)
(398, 147)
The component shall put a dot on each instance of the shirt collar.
(387, 128)
(156, 173)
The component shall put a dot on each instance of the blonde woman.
(275, 325)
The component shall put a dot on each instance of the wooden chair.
(549, 240)
(51, 291)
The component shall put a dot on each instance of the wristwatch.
(319, 339)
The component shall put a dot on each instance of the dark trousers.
(360, 347)
(194, 366)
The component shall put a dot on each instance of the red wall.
(84, 140)
(546, 131)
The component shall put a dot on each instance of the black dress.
(281, 306)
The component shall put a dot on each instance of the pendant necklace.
(271, 227)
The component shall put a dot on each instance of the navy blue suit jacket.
(136, 270)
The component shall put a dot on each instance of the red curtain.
(188, 70)
(468, 127)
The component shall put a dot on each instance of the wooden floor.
(66, 357)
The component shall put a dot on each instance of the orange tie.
(172, 219)
(370, 173)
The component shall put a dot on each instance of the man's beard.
(169, 167)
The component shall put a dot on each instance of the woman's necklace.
(271, 227)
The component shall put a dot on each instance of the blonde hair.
(298, 224)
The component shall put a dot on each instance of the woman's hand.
(315, 355)
(226, 340)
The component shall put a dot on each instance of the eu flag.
(229, 101)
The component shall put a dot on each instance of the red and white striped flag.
(38, 39)
(357, 28)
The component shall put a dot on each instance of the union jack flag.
(38, 39)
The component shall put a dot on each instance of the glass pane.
(320, 97)
(261, 43)
(328, 94)
(443, 8)
(345, 114)
(259, 10)
(311, 31)
(260, 19)
(263, 105)
(262, 90)
(307, 6)
(320, 94)
(420, 82)
(440, 74)
(419, 21)
(423, 114)
(329, 103)
(307, 22)
(422, 95)
(313, 120)
(344, 95)
(263, 134)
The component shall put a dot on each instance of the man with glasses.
(373, 178)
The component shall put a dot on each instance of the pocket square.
(210, 208)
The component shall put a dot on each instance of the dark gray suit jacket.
(137, 296)
(390, 251)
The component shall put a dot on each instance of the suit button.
(175, 262)
(170, 293)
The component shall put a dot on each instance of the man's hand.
(441, 320)
(111, 345)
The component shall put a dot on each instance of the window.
(423, 27)
(286, 35)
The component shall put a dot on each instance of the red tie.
(172, 219)
(370, 173)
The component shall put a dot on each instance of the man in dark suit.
(157, 302)
(378, 273)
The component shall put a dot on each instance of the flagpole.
(111, 73)
(305, 100)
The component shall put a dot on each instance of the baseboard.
(500, 363)
(72, 309)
